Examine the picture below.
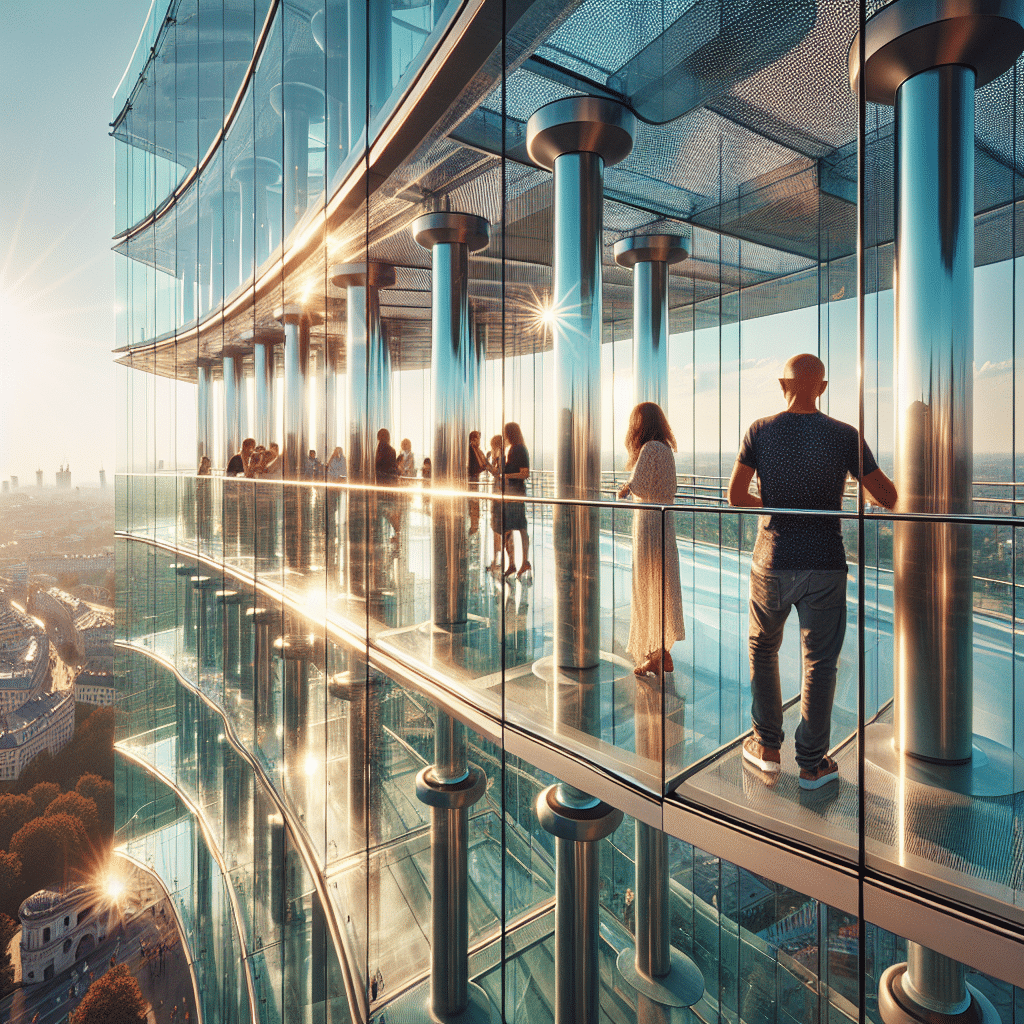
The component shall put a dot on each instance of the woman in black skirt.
(517, 471)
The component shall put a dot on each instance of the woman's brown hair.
(513, 433)
(647, 423)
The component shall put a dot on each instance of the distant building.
(5, 486)
(39, 478)
(64, 477)
(46, 723)
(14, 483)
(103, 478)
(58, 928)
(76, 564)
(96, 688)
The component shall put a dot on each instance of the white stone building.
(58, 929)
(47, 723)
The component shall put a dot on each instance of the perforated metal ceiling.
(761, 174)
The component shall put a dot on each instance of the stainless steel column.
(254, 175)
(933, 384)
(301, 106)
(357, 51)
(450, 787)
(576, 138)
(577, 821)
(295, 499)
(368, 371)
(927, 58)
(233, 387)
(204, 410)
(650, 257)
(264, 419)
(332, 369)
(451, 237)
(296, 388)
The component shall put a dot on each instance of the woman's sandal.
(526, 568)
(654, 664)
(510, 571)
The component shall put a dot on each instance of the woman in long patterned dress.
(650, 444)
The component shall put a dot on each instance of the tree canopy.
(80, 807)
(49, 848)
(15, 811)
(102, 793)
(113, 999)
(42, 794)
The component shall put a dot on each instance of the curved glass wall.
(432, 219)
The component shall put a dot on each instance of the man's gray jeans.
(820, 599)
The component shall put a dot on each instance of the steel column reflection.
(332, 370)
(234, 386)
(451, 237)
(576, 138)
(650, 257)
(450, 787)
(303, 105)
(296, 500)
(204, 410)
(368, 374)
(577, 822)
(265, 371)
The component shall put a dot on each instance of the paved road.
(51, 1002)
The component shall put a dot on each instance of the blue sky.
(60, 63)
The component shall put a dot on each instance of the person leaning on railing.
(801, 458)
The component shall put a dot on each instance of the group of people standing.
(801, 458)
(508, 462)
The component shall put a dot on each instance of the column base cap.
(581, 825)
(896, 1007)
(450, 796)
(479, 1010)
(682, 986)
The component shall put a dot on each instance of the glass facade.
(379, 727)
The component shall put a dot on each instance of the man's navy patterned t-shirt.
(801, 460)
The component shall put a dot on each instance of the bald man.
(801, 458)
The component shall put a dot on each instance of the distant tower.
(64, 477)
(14, 482)
(4, 486)
(103, 477)
(39, 478)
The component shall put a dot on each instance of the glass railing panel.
(948, 822)
(268, 981)
(709, 765)
(529, 850)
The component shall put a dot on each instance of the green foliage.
(7, 929)
(113, 999)
(80, 807)
(15, 810)
(50, 848)
(42, 794)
